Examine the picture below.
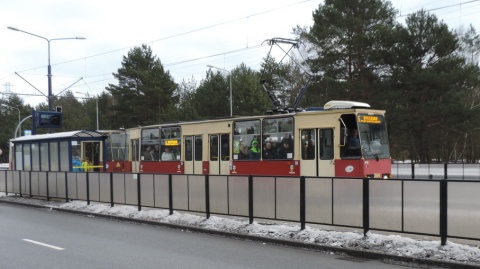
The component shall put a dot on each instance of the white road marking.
(43, 244)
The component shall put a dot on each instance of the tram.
(342, 139)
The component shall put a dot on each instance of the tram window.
(308, 139)
(116, 147)
(213, 147)
(188, 148)
(110, 144)
(171, 132)
(170, 144)
(225, 147)
(150, 143)
(326, 144)
(198, 148)
(176, 132)
(279, 133)
(373, 136)
(285, 125)
(246, 133)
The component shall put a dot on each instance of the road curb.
(346, 251)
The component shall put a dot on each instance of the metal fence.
(452, 171)
(444, 208)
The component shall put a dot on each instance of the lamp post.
(230, 74)
(4, 105)
(96, 105)
(49, 66)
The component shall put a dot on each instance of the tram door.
(193, 154)
(317, 152)
(219, 154)
(92, 152)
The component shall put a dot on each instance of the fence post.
(250, 199)
(170, 194)
(6, 185)
(30, 185)
(20, 183)
(111, 189)
(443, 211)
(445, 170)
(413, 170)
(139, 193)
(207, 196)
(48, 193)
(88, 189)
(302, 203)
(366, 206)
(66, 188)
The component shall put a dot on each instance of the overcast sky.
(185, 35)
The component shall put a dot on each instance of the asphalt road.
(41, 238)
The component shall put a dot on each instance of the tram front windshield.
(373, 136)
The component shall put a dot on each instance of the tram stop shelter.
(64, 151)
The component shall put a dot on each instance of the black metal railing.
(415, 206)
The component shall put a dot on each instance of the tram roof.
(61, 135)
(335, 109)
(335, 106)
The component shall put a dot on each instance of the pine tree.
(347, 40)
(431, 88)
(145, 92)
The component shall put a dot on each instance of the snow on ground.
(388, 244)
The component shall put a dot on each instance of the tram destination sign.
(369, 119)
(171, 142)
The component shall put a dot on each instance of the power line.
(174, 36)
(439, 8)
(178, 35)
(172, 64)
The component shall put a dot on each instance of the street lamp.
(18, 117)
(96, 104)
(230, 74)
(49, 66)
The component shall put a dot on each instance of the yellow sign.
(369, 119)
(171, 142)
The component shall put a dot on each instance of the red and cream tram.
(343, 139)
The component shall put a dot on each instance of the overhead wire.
(209, 27)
